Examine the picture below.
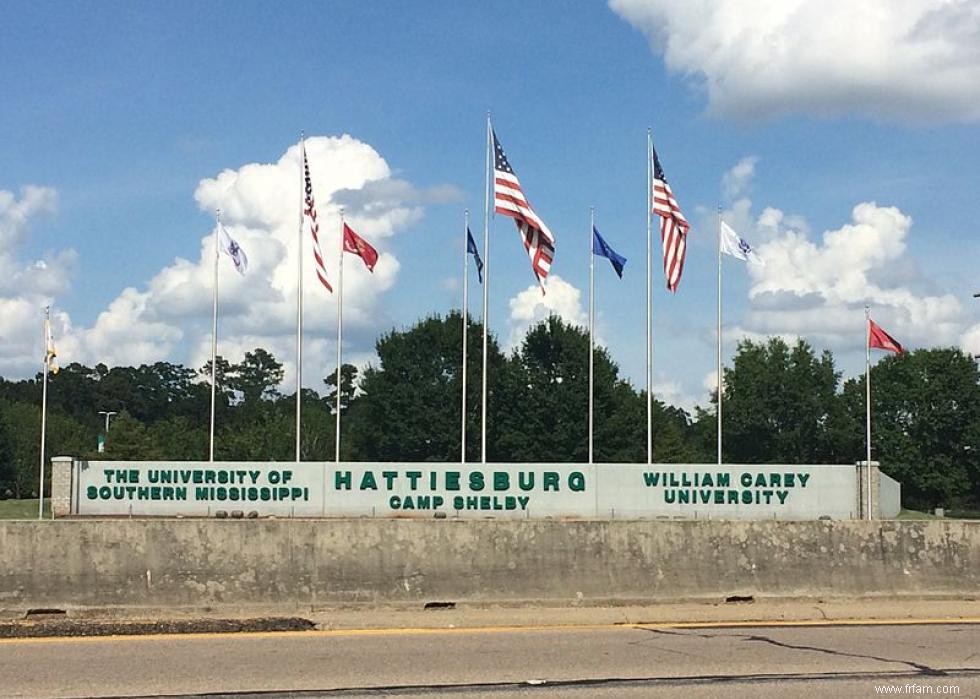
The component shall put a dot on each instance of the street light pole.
(105, 435)
(977, 296)
(108, 414)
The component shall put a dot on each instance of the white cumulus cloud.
(169, 317)
(894, 59)
(28, 285)
(817, 286)
(530, 306)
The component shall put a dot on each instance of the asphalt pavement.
(579, 661)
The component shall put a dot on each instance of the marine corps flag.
(356, 244)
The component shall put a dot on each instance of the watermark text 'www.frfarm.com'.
(921, 689)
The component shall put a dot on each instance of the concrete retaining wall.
(303, 564)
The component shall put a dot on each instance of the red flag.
(360, 247)
(879, 339)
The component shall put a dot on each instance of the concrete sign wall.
(502, 491)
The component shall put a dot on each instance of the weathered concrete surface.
(310, 564)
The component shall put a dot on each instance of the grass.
(914, 514)
(23, 509)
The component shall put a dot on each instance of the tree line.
(784, 403)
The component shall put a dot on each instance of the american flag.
(310, 210)
(673, 225)
(509, 200)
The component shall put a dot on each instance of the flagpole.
(719, 369)
(867, 403)
(649, 300)
(591, 330)
(214, 331)
(340, 332)
(465, 314)
(299, 300)
(44, 406)
(486, 288)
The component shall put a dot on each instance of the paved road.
(600, 661)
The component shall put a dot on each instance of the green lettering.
(550, 481)
(452, 482)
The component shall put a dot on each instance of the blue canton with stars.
(500, 159)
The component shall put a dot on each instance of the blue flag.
(471, 249)
(601, 247)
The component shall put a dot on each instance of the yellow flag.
(50, 352)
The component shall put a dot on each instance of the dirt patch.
(28, 628)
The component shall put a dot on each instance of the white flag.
(233, 250)
(735, 245)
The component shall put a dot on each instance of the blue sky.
(117, 115)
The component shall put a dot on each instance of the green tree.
(926, 423)
(780, 403)
(7, 469)
(65, 437)
(409, 405)
(547, 393)
(257, 376)
(129, 440)
(348, 387)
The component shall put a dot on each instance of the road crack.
(921, 668)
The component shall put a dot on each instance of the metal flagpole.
(44, 406)
(719, 381)
(649, 298)
(299, 297)
(867, 412)
(465, 314)
(591, 329)
(214, 332)
(340, 331)
(486, 288)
